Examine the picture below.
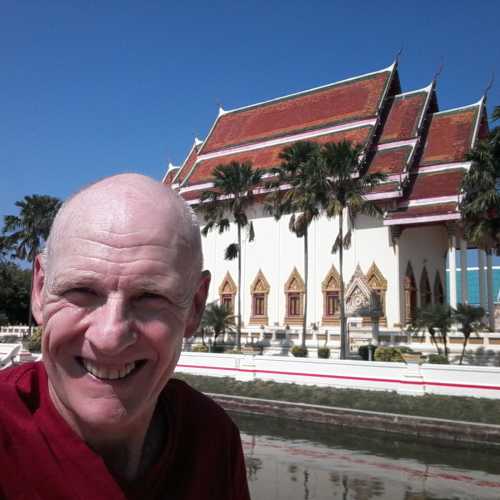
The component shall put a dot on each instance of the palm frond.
(231, 251)
(251, 232)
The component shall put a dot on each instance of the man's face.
(114, 310)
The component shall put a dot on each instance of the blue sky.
(89, 88)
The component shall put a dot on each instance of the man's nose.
(112, 331)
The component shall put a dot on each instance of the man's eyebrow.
(62, 283)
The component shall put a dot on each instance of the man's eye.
(80, 295)
(149, 296)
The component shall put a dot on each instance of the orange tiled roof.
(269, 157)
(188, 164)
(436, 184)
(450, 136)
(170, 176)
(352, 100)
(390, 161)
(404, 116)
(423, 211)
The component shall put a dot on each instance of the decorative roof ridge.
(475, 134)
(426, 89)
(460, 108)
(196, 145)
(431, 90)
(389, 69)
(170, 167)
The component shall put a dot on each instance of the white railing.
(19, 330)
(412, 378)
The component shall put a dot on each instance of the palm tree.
(233, 194)
(435, 318)
(25, 233)
(480, 204)
(343, 189)
(299, 172)
(218, 319)
(470, 319)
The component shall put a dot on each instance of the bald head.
(125, 204)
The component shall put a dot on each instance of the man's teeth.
(104, 373)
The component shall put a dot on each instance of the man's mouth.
(118, 372)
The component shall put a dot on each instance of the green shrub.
(199, 348)
(324, 352)
(392, 354)
(34, 343)
(299, 351)
(365, 349)
(217, 348)
(437, 359)
(485, 410)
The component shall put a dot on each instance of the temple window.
(378, 285)
(410, 295)
(227, 292)
(259, 291)
(331, 297)
(438, 290)
(425, 289)
(294, 291)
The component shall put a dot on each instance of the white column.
(397, 282)
(452, 252)
(395, 236)
(489, 282)
(463, 271)
(482, 290)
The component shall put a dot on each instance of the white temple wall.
(276, 251)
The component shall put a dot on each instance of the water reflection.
(302, 461)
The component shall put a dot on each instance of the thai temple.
(400, 258)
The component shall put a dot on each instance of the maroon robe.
(41, 457)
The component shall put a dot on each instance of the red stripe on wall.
(345, 377)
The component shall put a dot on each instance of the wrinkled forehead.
(128, 218)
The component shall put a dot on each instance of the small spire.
(221, 109)
(439, 71)
(398, 55)
(488, 87)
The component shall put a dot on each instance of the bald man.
(118, 287)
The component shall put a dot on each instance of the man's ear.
(198, 305)
(37, 290)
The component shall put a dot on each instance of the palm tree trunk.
(238, 326)
(306, 279)
(445, 344)
(466, 339)
(343, 329)
(30, 316)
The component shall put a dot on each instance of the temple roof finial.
(488, 87)
(398, 55)
(439, 71)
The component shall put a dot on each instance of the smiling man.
(118, 287)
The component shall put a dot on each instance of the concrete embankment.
(453, 431)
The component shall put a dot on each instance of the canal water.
(292, 460)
